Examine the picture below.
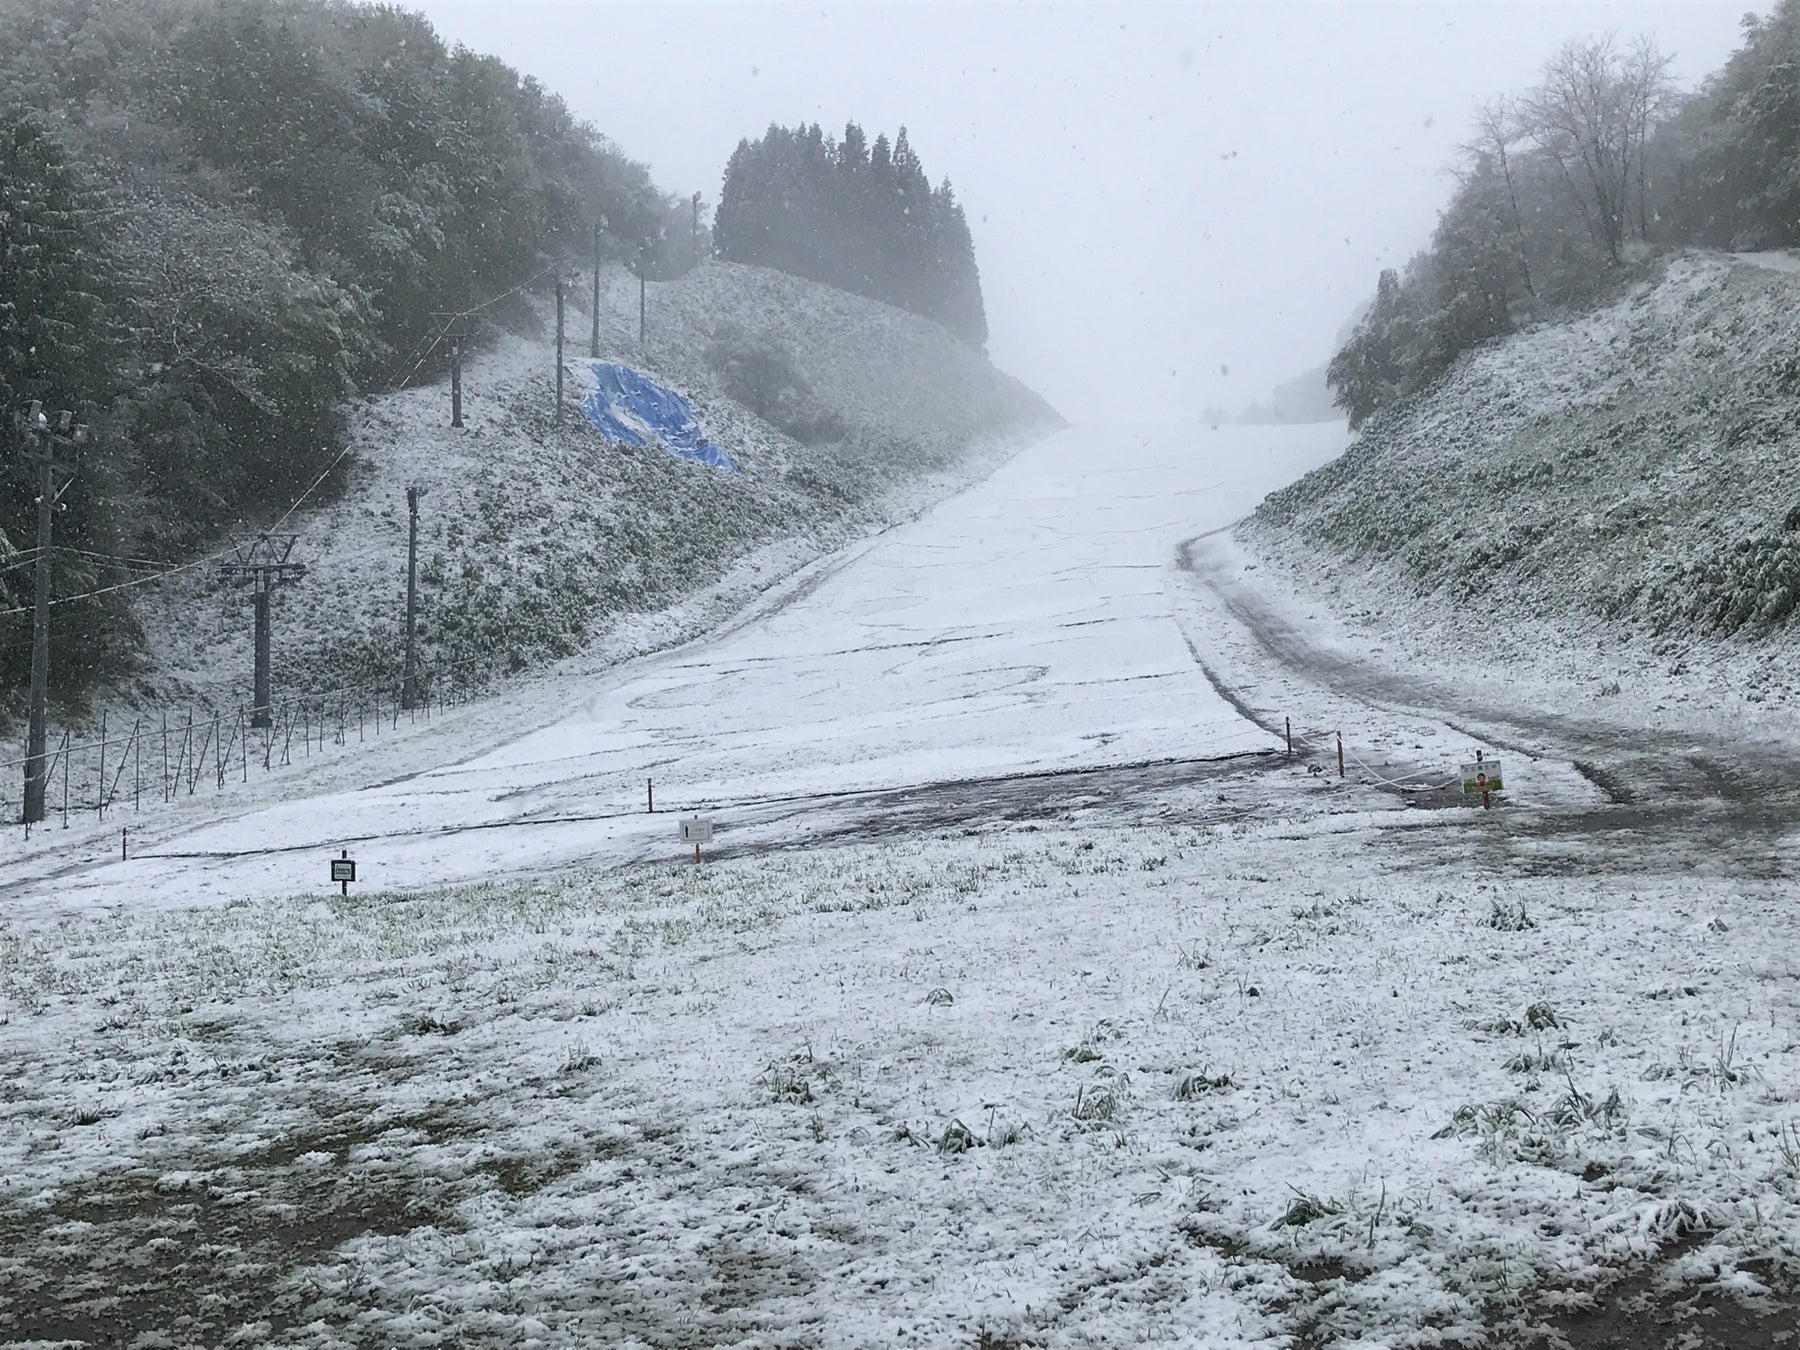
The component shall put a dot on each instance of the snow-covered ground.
(538, 539)
(1206, 1052)
(1603, 508)
(1065, 1087)
(1020, 627)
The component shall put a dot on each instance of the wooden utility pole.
(594, 341)
(459, 331)
(556, 417)
(643, 272)
(43, 437)
(264, 563)
(409, 681)
(696, 238)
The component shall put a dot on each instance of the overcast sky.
(1159, 193)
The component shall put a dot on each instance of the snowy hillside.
(536, 539)
(1602, 500)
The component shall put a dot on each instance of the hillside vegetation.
(539, 539)
(1568, 193)
(1627, 474)
(224, 222)
(856, 215)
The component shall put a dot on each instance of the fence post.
(65, 760)
(165, 772)
(137, 763)
(100, 788)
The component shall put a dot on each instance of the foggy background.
(1172, 204)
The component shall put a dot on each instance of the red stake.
(650, 795)
(696, 853)
(1288, 722)
(124, 841)
(1340, 739)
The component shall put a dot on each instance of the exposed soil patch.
(1644, 1310)
(190, 1256)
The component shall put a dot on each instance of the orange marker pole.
(1340, 740)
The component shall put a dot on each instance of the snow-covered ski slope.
(1022, 626)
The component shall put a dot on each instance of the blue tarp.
(629, 408)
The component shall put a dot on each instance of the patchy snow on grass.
(1058, 1087)
(1604, 504)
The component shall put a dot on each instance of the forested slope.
(539, 539)
(229, 228)
(220, 219)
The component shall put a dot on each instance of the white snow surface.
(1599, 512)
(1281, 1060)
(1023, 625)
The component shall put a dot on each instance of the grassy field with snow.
(1319, 1080)
(1606, 500)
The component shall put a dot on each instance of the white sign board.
(696, 831)
(1482, 777)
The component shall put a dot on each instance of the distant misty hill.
(1305, 398)
(861, 217)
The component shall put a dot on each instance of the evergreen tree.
(856, 215)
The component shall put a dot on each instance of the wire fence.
(161, 758)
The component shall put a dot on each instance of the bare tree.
(1593, 115)
(1497, 130)
(1650, 94)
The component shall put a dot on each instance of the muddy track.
(1728, 786)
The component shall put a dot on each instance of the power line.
(349, 445)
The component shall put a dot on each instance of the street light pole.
(35, 425)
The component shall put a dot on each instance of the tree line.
(1571, 189)
(859, 216)
(219, 220)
